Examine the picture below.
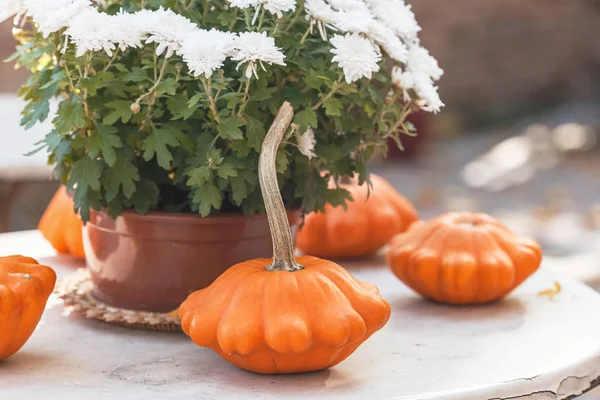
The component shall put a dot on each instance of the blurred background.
(518, 138)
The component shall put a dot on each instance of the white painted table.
(522, 348)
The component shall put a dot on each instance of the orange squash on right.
(463, 258)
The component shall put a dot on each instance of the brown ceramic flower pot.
(153, 262)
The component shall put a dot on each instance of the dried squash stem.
(283, 245)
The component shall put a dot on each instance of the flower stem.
(244, 102)
(261, 19)
(211, 99)
(156, 83)
(400, 123)
(304, 36)
(74, 91)
(113, 58)
(333, 90)
(281, 235)
(297, 15)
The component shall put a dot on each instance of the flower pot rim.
(190, 218)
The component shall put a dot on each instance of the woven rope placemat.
(76, 293)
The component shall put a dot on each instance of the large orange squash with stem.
(463, 258)
(61, 226)
(368, 223)
(285, 314)
(24, 290)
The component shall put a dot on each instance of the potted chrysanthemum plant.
(164, 105)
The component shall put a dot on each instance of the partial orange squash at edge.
(24, 290)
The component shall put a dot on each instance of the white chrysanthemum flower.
(167, 29)
(349, 5)
(429, 99)
(52, 16)
(420, 80)
(321, 14)
(398, 16)
(205, 51)
(129, 30)
(306, 143)
(352, 21)
(387, 39)
(92, 31)
(357, 56)
(8, 8)
(402, 79)
(278, 7)
(256, 48)
(243, 4)
(421, 62)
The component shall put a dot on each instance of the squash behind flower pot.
(61, 226)
(368, 223)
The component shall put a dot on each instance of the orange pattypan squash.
(463, 258)
(61, 226)
(283, 315)
(24, 290)
(368, 223)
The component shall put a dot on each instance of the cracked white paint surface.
(522, 348)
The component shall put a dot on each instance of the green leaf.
(145, 197)
(226, 170)
(122, 110)
(136, 74)
(85, 199)
(255, 132)
(35, 112)
(313, 81)
(85, 173)
(262, 94)
(306, 118)
(70, 116)
(226, 18)
(233, 99)
(195, 99)
(158, 144)
(239, 190)
(90, 84)
(122, 175)
(207, 196)
(199, 176)
(168, 86)
(333, 107)
(282, 162)
(179, 107)
(241, 147)
(104, 140)
(229, 128)
(58, 146)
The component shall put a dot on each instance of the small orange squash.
(283, 315)
(463, 258)
(366, 225)
(24, 290)
(61, 226)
